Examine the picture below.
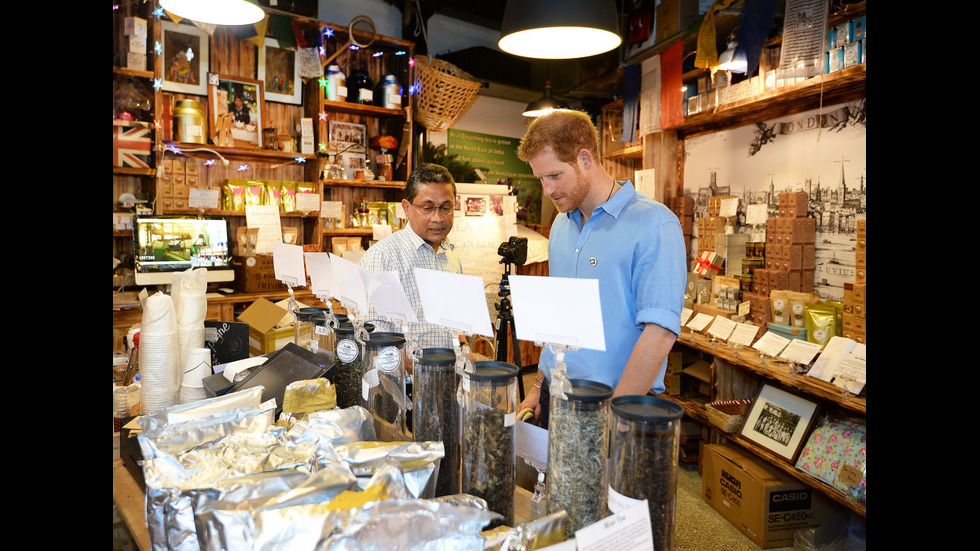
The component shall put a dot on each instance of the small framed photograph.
(237, 106)
(476, 205)
(779, 421)
(347, 137)
(279, 72)
(185, 59)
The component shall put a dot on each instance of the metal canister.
(360, 87)
(388, 93)
(189, 121)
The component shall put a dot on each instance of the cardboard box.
(262, 317)
(256, 274)
(768, 506)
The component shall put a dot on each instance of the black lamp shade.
(559, 29)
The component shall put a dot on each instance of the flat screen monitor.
(164, 245)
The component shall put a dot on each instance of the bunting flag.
(753, 30)
(131, 146)
(631, 99)
(298, 35)
(672, 80)
(707, 56)
(282, 30)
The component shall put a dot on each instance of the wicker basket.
(443, 92)
(727, 415)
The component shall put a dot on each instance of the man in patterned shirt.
(430, 199)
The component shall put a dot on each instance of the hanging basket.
(443, 93)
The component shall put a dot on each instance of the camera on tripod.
(513, 251)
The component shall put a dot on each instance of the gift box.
(708, 263)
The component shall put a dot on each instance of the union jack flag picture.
(131, 146)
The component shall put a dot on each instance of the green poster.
(496, 157)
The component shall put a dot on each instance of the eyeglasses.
(429, 209)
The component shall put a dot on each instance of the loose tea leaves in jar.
(578, 431)
(489, 407)
(435, 413)
(347, 357)
(643, 461)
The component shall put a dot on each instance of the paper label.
(347, 350)
(627, 530)
(618, 502)
(388, 359)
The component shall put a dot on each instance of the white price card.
(729, 207)
(266, 219)
(380, 231)
(318, 268)
(287, 264)
(543, 313)
(348, 286)
(699, 321)
(198, 198)
(771, 344)
(386, 292)
(686, 314)
(757, 214)
(627, 530)
(307, 202)
(455, 301)
(721, 327)
(800, 351)
(743, 334)
(332, 209)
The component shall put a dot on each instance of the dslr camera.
(513, 251)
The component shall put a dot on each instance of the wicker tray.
(727, 415)
(443, 92)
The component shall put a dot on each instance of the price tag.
(627, 530)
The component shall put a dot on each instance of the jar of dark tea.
(435, 411)
(578, 443)
(383, 385)
(489, 412)
(643, 461)
(348, 355)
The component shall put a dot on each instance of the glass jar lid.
(589, 391)
(650, 409)
(380, 340)
(438, 356)
(493, 371)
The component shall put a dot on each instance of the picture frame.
(779, 421)
(347, 137)
(182, 73)
(278, 69)
(245, 125)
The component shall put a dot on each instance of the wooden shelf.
(338, 232)
(827, 89)
(133, 171)
(229, 213)
(361, 109)
(241, 153)
(394, 184)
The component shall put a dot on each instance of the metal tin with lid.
(578, 442)
(388, 93)
(189, 122)
(489, 414)
(435, 411)
(643, 461)
(336, 89)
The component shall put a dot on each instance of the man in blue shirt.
(605, 230)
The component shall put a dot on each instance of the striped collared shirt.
(402, 252)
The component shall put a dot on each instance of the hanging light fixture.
(559, 29)
(215, 12)
(733, 59)
(545, 104)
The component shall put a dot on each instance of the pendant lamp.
(215, 12)
(559, 29)
(545, 104)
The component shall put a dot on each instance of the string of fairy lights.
(324, 36)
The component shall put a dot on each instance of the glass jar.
(303, 327)
(578, 442)
(388, 93)
(336, 84)
(360, 87)
(643, 464)
(489, 412)
(435, 411)
(322, 341)
(383, 385)
(348, 355)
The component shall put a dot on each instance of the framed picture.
(185, 59)
(354, 165)
(779, 421)
(349, 136)
(237, 106)
(279, 73)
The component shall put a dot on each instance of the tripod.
(505, 323)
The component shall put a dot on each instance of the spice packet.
(233, 195)
(821, 322)
(254, 192)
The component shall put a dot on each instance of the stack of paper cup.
(188, 291)
(197, 368)
(158, 353)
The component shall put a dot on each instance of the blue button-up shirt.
(635, 247)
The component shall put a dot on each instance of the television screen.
(167, 244)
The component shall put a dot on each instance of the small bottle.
(363, 213)
(539, 501)
(336, 84)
